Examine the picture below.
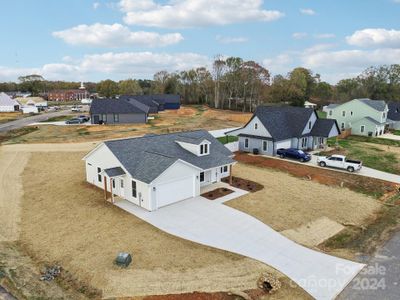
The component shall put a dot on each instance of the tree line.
(234, 83)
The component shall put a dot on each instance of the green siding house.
(363, 116)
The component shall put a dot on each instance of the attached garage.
(284, 144)
(174, 191)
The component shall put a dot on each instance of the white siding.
(250, 129)
(312, 119)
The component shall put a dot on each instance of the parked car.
(340, 162)
(84, 118)
(75, 109)
(74, 121)
(294, 153)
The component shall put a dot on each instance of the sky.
(84, 40)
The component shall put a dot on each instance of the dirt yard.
(186, 118)
(287, 202)
(65, 220)
(369, 186)
(9, 116)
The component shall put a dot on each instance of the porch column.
(230, 174)
(111, 191)
(105, 188)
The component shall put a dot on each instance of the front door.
(121, 188)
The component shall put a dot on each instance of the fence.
(234, 146)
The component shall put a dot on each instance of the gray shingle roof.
(284, 122)
(6, 100)
(145, 158)
(115, 106)
(394, 110)
(332, 105)
(379, 105)
(112, 172)
(323, 127)
(371, 120)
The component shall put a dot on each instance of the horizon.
(92, 41)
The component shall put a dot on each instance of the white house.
(309, 104)
(157, 170)
(7, 104)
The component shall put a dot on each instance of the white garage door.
(283, 144)
(171, 192)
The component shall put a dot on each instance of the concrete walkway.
(213, 224)
(390, 136)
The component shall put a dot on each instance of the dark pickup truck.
(294, 153)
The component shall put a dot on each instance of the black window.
(201, 149)
(265, 145)
(113, 183)
(246, 143)
(225, 169)
(122, 183)
(309, 125)
(116, 118)
(205, 148)
(201, 176)
(98, 174)
(134, 193)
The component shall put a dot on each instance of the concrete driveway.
(390, 136)
(214, 224)
(28, 120)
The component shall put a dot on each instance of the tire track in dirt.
(12, 165)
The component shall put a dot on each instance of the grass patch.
(15, 136)
(366, 239)
(322, 114)
(227, 139)
(373, 140)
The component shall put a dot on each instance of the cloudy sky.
(94, 40)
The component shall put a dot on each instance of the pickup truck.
(340, 162)
(294, 153)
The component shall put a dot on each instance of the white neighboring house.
(309, 104)
(30, 109)
(7, 104)
(157, 170)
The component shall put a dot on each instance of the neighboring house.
(157, 170)
(117, 111)
(39, 102)
(363, 116)
(272, 128)
(7, 104)
(309, 104)
(68, 95)
(158, 102)
(30, 109)
(394, 115)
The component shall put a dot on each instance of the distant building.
(69, 95)
(309, 104)
(7, 104)
(157, 102)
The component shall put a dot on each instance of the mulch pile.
(217, 193)
(244, 184)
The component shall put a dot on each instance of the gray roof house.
(157, 170)
(118, 111)
(7, 104)
(394, 115)
(272, 128)
(360, 116)
(156, 102)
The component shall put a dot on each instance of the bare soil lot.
(66, 221)
(9, 116)
(186, 118)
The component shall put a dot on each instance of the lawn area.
(9, 116)
(228, 139)
(321, 114)
(86, 233)
(379, 154)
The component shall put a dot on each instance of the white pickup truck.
(340, 162)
